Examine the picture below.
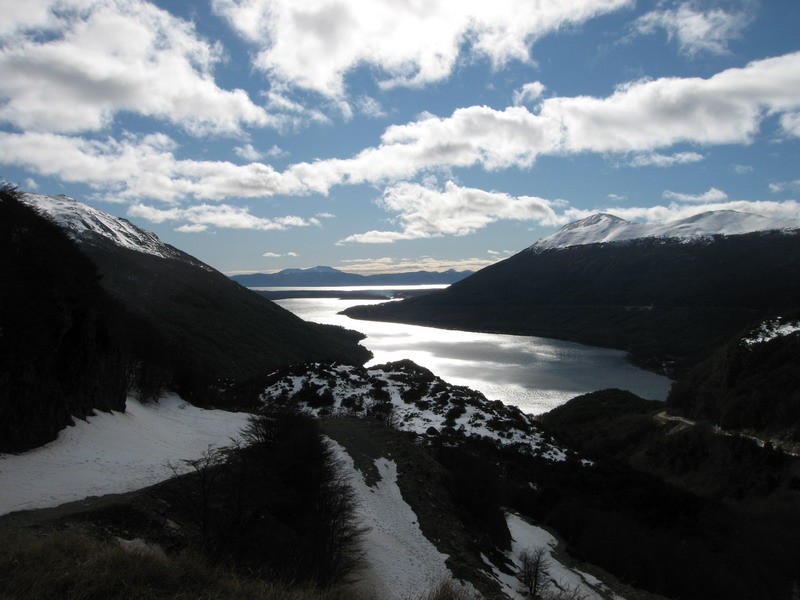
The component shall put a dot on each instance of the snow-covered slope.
(602, 227)
(84, 223)
(111, 453)
(410, 398)
(770, 330)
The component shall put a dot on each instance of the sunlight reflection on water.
(536, 374)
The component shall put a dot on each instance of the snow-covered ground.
(402, 562)
(113, 453)
(769, 330)
(529, 537)
(416, 400)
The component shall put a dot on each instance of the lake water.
(536, 374)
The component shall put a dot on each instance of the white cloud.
(639, 117)
(790, 122)
(195, 228)
(530, 92)
(315, 45)
(370, 107)
(248, 152)
(695, 31)
(30, 184)
(712, 195)
(386, 264)
(742, 169)
(781, 186)
(279, 255)
(654, 159)
(72, 65)
(19, 16)
(141, 167)
(424, 212)
(617, 197)
(644, 115)
(221, 216)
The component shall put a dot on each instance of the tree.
(534, 571)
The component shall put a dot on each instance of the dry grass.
(74, 566)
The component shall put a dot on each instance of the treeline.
(746, 387)
(712, 516)
(278, 504)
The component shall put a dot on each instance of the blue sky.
(378, 135)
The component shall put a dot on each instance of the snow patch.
(529, 537)
(112, 453)
(411, 399)
(83, 222)
(770, 330)
(401, 562)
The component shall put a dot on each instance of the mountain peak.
(84, 223)
(603, 227)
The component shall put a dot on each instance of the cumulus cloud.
(695, 31)
(712, 195)
(639, 117)
(654, 159)
(279, 255)
(425, 212)
(141, 167)
(315, 45)
(72, 65)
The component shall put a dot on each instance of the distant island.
(328, 276)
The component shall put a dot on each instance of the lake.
(536, 374)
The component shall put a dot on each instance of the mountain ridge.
(669, 302)
(210, 329)
(320, 276)
(606, 228)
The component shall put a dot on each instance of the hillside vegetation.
(749, 384)
(667, 302)
(63, 341)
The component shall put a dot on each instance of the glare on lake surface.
(536, 374)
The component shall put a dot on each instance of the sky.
(394, 135)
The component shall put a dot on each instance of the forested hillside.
(668, 302)
(63, 341)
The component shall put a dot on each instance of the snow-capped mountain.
(603, 227)
(86, 224)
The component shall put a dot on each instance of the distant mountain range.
(328, 276)
(669, 295)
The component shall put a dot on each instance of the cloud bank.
(315, 45)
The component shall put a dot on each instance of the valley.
(289, 449)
